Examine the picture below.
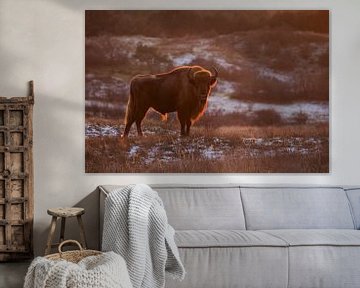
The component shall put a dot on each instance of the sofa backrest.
(230, 207)
(203, 207)
(354, 198)
(296, 208)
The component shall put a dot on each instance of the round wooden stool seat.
(66, 211)
(63, 213)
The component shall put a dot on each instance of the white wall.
(43, 40)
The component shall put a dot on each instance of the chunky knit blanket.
(136, 227)
(103, 271)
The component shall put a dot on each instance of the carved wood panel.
(16, 177)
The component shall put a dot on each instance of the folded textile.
(136, 227)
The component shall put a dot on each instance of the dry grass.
(233, 149)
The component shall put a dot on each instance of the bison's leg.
(188, 125)
(130, 116)
(127, 127)
(138, 126)
(182, 123)
(182, 120)
(183, 132)
(139, 119)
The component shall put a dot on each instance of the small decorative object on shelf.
(64, 213)
(16, 177)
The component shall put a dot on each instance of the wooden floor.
(12, 274)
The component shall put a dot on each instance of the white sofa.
(243, 236)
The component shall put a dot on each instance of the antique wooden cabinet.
(16, 177)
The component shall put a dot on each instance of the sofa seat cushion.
(317, 237)
(235, 267)
(323, 258)
(225, 238)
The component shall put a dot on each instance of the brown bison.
(183, 90)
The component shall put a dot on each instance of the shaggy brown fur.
(183, 90)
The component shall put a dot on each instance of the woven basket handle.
(69, 241)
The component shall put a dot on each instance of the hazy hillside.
(264, 69)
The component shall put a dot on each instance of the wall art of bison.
(243, 91)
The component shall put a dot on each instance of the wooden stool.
(64, 213)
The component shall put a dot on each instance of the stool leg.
(62, 231)
(51, 235)
(82, 232)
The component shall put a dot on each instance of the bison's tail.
(130, 110)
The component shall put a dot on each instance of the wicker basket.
(72, 256)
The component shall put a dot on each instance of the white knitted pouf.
(107, 270)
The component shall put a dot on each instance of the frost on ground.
(133, 150)
(215, 148)
(270, 73)
(269, 147)
(92, 130)
(104, 87)
(104, 105)
(97, 130)
(172, 148)
(179, 148)
(316, 112)
(184, 59)
(219, 103)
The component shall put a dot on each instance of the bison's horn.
(215, 75)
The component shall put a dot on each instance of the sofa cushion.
(220, 267)
(317, 237)
(226, 238)
(324, 266)
(191, 207)
(296, 208)
(322, 258)
(206, 208)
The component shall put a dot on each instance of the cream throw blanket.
(136, 227)
(102, 271)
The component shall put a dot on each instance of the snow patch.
(133, 150)
(104, 105)
(224, 87)
(222, 62)
(212, 153)
(267, 72)
(316, 112)
(213, 148)
(270, 147)
(224, 105)
(104, 87)
(99, 130)
(139, 39)
(184, 59)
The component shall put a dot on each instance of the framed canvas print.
(240, 91)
